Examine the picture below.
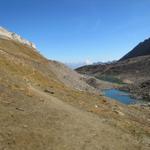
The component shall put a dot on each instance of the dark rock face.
(141, 49)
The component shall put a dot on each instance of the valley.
(74, 75)
(131, 73)
(46, 106)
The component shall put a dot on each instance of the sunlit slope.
(38, 111)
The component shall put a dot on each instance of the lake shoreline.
(136, 92)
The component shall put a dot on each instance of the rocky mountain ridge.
(142, 49)
(13, 36)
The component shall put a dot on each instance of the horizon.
(77, 32)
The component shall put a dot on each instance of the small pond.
(120, 96)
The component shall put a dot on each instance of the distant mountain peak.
(4, 33)
(142, 49)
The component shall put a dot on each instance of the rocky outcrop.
(139, 90)
(13, 36)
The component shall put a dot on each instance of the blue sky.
(79, 30)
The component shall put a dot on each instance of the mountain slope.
(132, 69)
(129, 70)
(40, 111)
(141, 49)
(69, 77)
(134, 72)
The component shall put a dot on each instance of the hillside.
(69, 77)
(133, 69)
(142, 49)
(127, 71)
(133, 72)
(44, 106)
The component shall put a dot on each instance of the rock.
(119, 112)
(139, 90)
(10, 35)
(25, 126)
(104, 100)
(20, 109)
(48, 91)
(92, 82)
(96, 106)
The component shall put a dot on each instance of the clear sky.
(79, 30)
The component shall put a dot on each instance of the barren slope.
(69, 77)
(39, 112)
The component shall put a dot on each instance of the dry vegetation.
(39, 112)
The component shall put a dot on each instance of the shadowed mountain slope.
(141, 49)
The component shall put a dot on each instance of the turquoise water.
(120, 96)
